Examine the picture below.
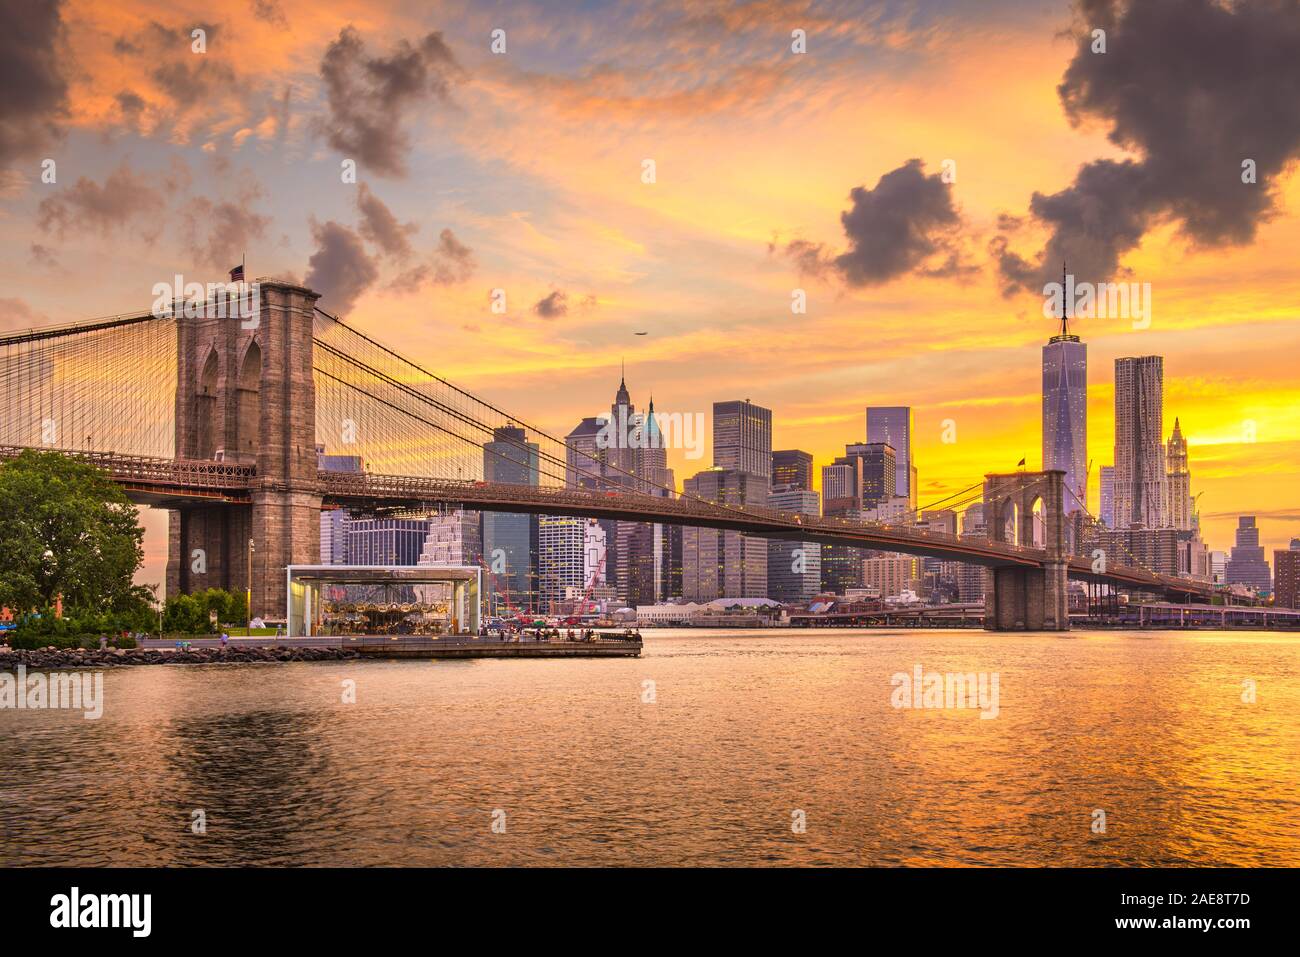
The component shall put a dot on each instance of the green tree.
(66, 529)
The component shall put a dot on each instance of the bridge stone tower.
(245, 395)
(1016, 597)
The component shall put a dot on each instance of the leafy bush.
(191, 614)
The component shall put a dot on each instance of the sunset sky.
(774, 171)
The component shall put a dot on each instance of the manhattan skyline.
(523, 171)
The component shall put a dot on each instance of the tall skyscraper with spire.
(626, 450)
(1065, 408)
(1178, 482)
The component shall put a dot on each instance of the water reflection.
(746, 730)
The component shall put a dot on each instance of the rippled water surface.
(745, 729)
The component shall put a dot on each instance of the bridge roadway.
(174, 483)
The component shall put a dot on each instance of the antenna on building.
(1065, 308)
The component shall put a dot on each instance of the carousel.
(352, 600)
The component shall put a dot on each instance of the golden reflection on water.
(746, 729)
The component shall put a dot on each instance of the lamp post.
(248, 627)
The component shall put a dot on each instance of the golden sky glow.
(534, 160)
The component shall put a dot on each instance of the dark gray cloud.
(157, 40)
(380, 226)
(86, 206)
(553, 306)
(131, 104)
(194, 80)
(907, 223)
(35, 94)
(340, 270)
(44, 256)
(219, 233)
(189, 80)
(559, 303)
(1191, 88)
(453, 261)
(270, 12)
(368, 96)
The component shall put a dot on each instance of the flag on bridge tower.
(1020, 464)
(237, 274)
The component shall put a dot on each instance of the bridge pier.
(245, 393)
(1027, 597)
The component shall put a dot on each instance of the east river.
(769, 747)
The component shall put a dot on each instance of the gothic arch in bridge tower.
(248, 400)
(1036, 527)
(1005, 518)
(207, 440)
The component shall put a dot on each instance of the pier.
(418, 646)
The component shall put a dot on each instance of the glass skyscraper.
(742, 438)
(892, 425)
(1247, 564)
(1065, 415)
(792, 467)
(510, 539)
(1106, 509)
(1139, 437)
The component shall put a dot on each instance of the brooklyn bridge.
(218, 420)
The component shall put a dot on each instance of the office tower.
(648, 555)
(621, 440)
(742, 438)
(878, 473)
(1065, 412)
(889, 575)
(1139, 432)
(1156, 549)
(840, 481)
(793, 468)
(724, 564)
(970, 578)
(561, 557)
(892, 425)
(1219, 567)
(1193, 555)
(1106, 510)
(584, 459)
(842, 564)
(1247, 565)
(334, 536)
(854, 485)
(333, 521)
(510, 539)
(1286, 576)
(385, 541)
(455, 538)
(1178, 482)
(794, 569)
(595, 552)
(939, 520)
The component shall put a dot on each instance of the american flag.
(237, 274)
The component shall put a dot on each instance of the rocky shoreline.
(57, 658)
